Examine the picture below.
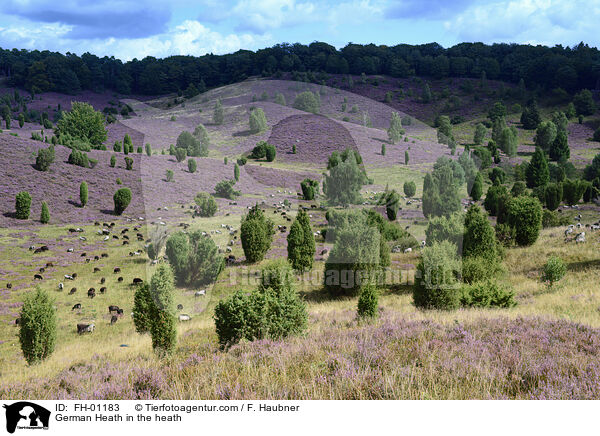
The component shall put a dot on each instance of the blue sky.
(131, 29)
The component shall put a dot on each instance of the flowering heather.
(395, 358)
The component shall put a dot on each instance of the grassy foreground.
(545, 347)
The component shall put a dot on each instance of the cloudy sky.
(130, 29)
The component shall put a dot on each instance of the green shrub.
(554, 270)
(573, 191)
(224, 189)
(119, 181)
(309, 188)
(143, 306)
(260, 150)
(148, 150)
(162, 313)
(192, 165)
(79, 158)
(505, 234)
(207, 205)
(308, 102)
(477, 188)
(236, 172)
(479, 239)
(128, 163)
(553, 195)
(392, 203)
(270, 312)
(82, 122)
(242, 161)
(122, 198)
(356, 256)
(525, 216)
(256, 234)
(270, 153)
(180, 154)
(343, 183)
(478, 268)
(395, 131)
(444, 228)
(193, 145)
(219, 113)
(113, 161)
(44, 158)
(22, 205)
(410, 189)
(195, 258)
(257, 121)
(37, 327)
(117, 147)
(45, 214)
(436, 283)
(169, 175)
(301, 243)
(368, 302)
(596, 136)
(83, 194)
(497, 174)
(488, 293)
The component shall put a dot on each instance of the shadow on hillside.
(10, 214)
(74, 203)
(580, 266)
(383, 141)
(243, 133)
(110, 212)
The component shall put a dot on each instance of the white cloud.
(188, 38)
(263, 15)
(546, 22)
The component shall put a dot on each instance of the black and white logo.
(26, 416)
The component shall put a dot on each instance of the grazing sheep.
(180, 307)
(72, 291)
(113, 308)
(102, 280)
(113, 319)
(117, 270)
(69, 250)
(120, 279)
(83, 254)
(183, 318)
(103, 290)
(96, 257)
(408, 250)
(91, 293)
(200, 293)
(568, 231)
(96, 269)
(137, 281)
(580, 237)
(49, 264)
(9, 286)
(42, 270)
(37, 277)
(85, 328)
(77, 306)
(423, 244)
(104, 255)
(61, 286)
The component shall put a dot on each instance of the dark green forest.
(569, 68)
